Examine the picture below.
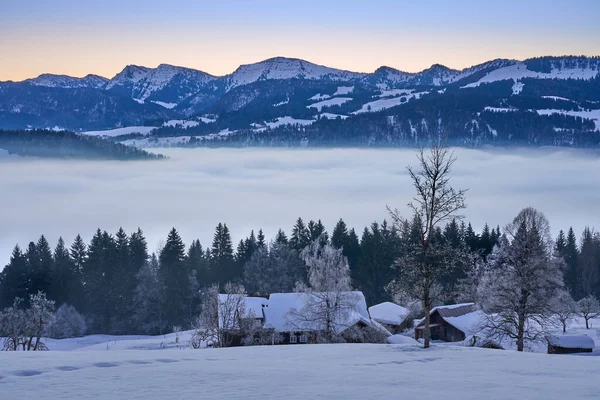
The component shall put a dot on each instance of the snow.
(288, 121)
(401, 339)
(139, 101)
(519, 70)
(342, 90)
(499, 109)
(594, 115)
(180, 122)
(320, 96)
(166, 105)
(556, 98)
(286, 101)
(207, 120)
(331, 102)
(572, 341)
(395, 92)
(286, 68)
(517, 87)
(144, 130)
(334, 372)
(389, 313)
(332, 116)
(470, 324)
(383, 104)
(451, 306)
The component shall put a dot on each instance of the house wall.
(444, 331)
(563, 350)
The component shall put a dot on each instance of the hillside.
(64, 144)
(285, 101)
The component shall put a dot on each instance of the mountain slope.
(266, 95)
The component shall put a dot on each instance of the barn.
(569, 344)
(393, 317)
(452, 323)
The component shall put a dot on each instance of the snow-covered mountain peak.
(69, 82)
(286, 68)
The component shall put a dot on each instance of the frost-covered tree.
(426, 260)
(521, 281)
(39, 316)
(564, 308)
(329, 301)
(67, 323)
(147, 299)
(589, 308)
(220, 316)
(13, 322)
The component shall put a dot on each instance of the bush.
(67, 323)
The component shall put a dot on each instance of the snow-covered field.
(144, 130)
(349, 371)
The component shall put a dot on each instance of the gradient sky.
(77, 37)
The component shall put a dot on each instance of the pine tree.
(78, 254)
(300, 236)
(281, 237)
(223, 265)
(571, 257)
(66, 282)
(175, 280)
(589, 262)
(14, 279)
(120, 295)
(339, 236)
(260, 240)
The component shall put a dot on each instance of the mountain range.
(546, 100)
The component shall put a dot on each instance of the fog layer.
(267, 188)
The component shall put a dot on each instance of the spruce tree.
(175, 280)
(339, 236)
(300, 237)
(14, 279)
(571, 257)
(223, 265)
(65, 279)
(281, 237)
(260, 240)
(78, 254)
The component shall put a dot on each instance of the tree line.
(120, 287)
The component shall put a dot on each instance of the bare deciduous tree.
(564, 308)
(222, 317)
(589, 308)
(436, 201)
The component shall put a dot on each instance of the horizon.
(291, 58)
(66, 37)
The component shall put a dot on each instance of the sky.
(77, 37)
(250, 189)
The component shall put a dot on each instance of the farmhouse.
(568, 344)
(452, 323)
(299, 318)
(393, 317)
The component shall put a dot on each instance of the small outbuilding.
(569, 344)
(451, 323)
(393, 317)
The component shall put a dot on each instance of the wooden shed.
(393, 317)
(452, 323)
(569, 344)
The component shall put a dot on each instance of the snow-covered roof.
(464, 317)
(454, 310)
(572, 341)
(283, 308)
(253, 305)
(389, 313)
(470, 323)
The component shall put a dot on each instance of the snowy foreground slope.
(347, 371)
